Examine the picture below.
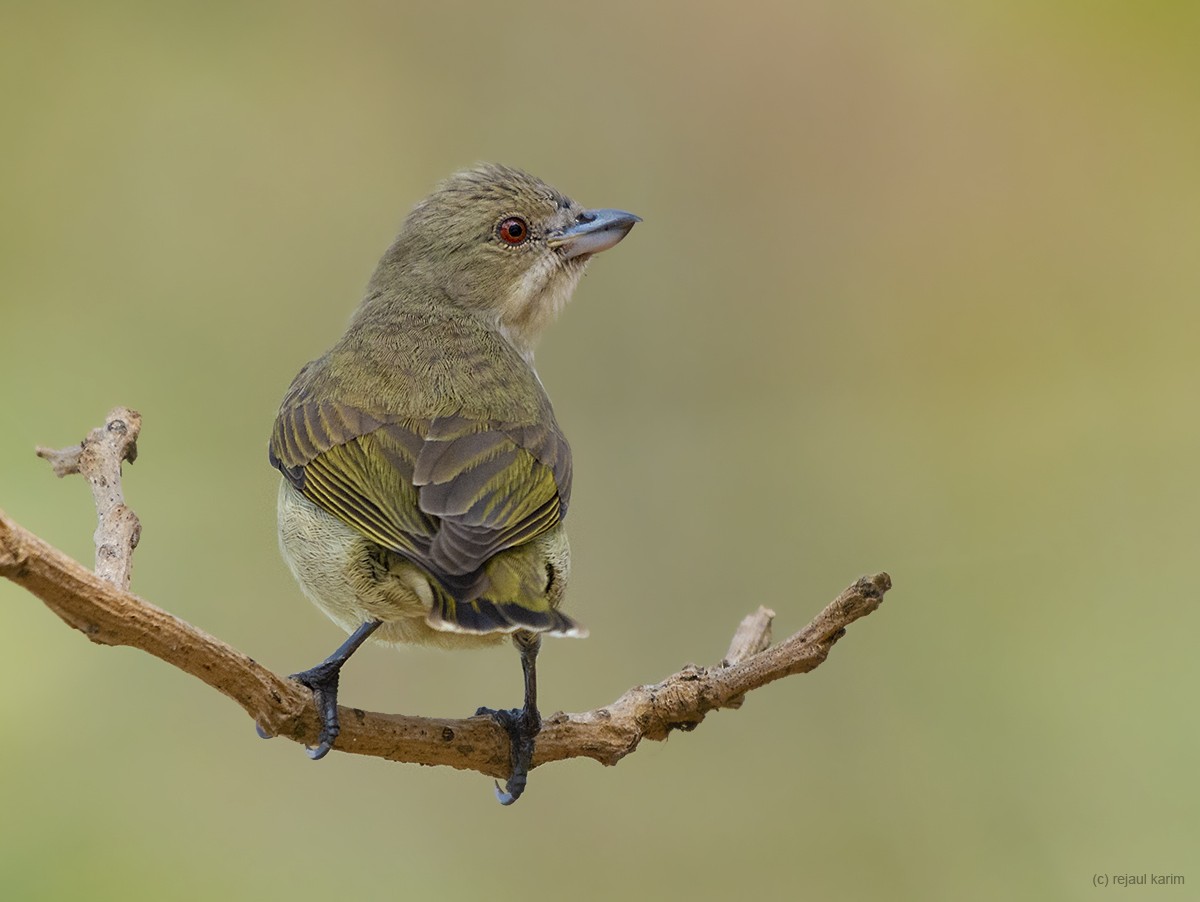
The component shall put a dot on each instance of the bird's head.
(502, 243)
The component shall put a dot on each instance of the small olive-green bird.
(425, 479)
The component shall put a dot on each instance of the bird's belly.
(353, 580)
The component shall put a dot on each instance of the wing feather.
(447, 492)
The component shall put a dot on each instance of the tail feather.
(483, 615)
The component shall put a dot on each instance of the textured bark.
(100, 606)
(98, 459)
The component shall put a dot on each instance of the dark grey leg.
(522, 724)
(323, 681)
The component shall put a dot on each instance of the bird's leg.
(522, 724)
(323, 681)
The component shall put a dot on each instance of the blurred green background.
(916, 290)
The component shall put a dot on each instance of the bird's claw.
(323, 681)
(522, 726)
(504, 797)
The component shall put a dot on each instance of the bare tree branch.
(98, 459)
(102, 609)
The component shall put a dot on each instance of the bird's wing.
(490, 485)
(448, 492)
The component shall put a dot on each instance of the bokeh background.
(916, 290)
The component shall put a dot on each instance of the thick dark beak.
(592, 232)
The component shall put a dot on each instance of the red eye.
(513, 230)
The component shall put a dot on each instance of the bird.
(425, 479)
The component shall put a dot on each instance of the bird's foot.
(522, 726)
(323, 681)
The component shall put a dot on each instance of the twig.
(98, 459)
(110, 615)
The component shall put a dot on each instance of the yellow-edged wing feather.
(446, 492)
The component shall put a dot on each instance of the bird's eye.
(513, 230)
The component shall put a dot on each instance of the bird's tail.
(485, 615)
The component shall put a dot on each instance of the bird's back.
(425, 431)
(422, 359)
